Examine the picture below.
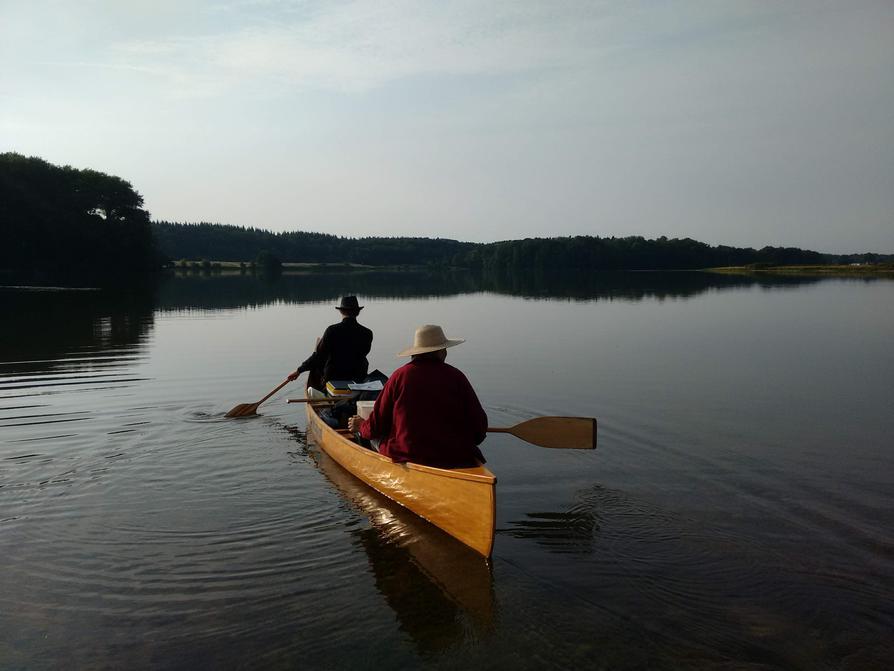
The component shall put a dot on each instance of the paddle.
(561, 432)
(246, 409)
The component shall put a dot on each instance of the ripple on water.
(697, 582)
(188, 518)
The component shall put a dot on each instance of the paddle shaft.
(281, 385)
(247, 409)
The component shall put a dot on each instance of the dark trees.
(61, 221)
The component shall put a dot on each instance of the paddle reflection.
(440, 590)
(569, 532)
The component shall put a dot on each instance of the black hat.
(349, 303)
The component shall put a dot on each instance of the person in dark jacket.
(428, 412)
(341, 352)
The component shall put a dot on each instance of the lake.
(738, 512)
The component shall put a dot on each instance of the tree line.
(234, 243)
(626, 253)
(61, 221)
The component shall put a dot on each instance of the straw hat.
(430, 338)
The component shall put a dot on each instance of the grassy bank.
(849, 270)
(237, 266)
(206, 266)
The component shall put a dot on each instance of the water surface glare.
(737, 513)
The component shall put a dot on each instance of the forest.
(233, 243)
(58, 222)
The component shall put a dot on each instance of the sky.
(731, 122)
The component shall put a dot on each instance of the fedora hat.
(349, 303)
(430, 338)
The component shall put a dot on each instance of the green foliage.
(268, 263)
(543, 254)
(55, 219)
(630, 253)
(61, 221)
(235, 243)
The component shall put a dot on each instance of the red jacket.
(429, 414)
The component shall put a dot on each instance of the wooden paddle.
(562, 432)
(246, 409)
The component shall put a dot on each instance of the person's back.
(344, 349)
(341, 353)
(428, 412)
(437, 417)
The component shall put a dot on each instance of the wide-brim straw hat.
(430, 338)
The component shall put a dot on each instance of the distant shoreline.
(286, 267)
(848, 270)
(831, 270)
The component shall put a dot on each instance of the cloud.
(748, 123)
(358, 46)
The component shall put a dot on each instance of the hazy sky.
(744, 123)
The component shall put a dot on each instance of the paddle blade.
(243, 410)
(575, 433)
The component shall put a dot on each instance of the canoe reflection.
(440, 590)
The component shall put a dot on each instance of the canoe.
(460, 501)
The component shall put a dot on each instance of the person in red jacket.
(428, 412)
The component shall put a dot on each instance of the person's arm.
(317, 359)
(477, 416)
(378, 425)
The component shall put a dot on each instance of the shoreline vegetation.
(240, 267)
(583, 253)
(827, 270)
(60, 225)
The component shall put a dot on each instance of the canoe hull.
(460, 501)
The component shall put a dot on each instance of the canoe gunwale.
(457, 473)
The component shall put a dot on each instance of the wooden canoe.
(461, 501)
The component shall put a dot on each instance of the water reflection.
(46, 325)
(63, 341)
(627, 286)
(569, 531)
(741, 518)
(439, 589)
(225, 291)
(699, 583)
(114, 318)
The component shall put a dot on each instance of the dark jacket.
(341, 352)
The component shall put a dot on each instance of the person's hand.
(294, 375)
(354, 423)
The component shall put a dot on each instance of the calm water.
(737, 514)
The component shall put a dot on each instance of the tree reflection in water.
(178, 291)
(52, 330)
